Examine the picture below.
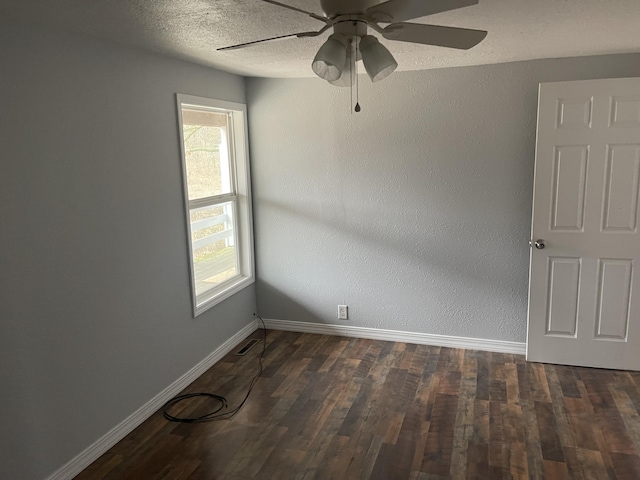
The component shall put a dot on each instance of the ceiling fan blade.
(452, 37)
(296, 9)
(273, 39)
(401, 10)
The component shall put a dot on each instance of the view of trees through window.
(202, 149)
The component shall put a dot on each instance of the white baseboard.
(499, 346)
(117, 433)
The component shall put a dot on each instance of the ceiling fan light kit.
(348, 69)
(335, 60)
(350, 42)
(330, 59)
(378, 61)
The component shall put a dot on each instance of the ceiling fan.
(350, 42)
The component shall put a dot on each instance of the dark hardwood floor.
(346, 408)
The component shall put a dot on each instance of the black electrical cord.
(214, 415)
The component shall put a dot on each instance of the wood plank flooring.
(345, 408)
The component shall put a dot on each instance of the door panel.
(625, 111)
(569, 185)
(620, 212)
(614, 292)
(562, 310)
(574, 112)
(584, 289)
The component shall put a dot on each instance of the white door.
(584, 280)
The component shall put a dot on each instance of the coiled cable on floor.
(215, 414)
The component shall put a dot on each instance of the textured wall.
(415, 212)
(95, 310)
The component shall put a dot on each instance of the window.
(215, 168)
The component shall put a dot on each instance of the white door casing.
(584, 285)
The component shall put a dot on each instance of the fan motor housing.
(350, 26)
(334, 8)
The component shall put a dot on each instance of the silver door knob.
(539, 244)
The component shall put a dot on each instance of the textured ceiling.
(193, 29)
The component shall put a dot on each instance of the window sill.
(213, 298)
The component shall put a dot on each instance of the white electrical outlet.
(343, 312)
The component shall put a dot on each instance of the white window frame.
(240, 198)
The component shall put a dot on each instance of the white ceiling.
(193, 29)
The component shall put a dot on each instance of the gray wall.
(414, 212)
(95, 312)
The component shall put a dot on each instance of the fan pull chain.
(357, 109)
(350, 76)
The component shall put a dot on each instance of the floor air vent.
(247, 347)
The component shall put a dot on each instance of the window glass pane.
(213, 244)
(206, 148)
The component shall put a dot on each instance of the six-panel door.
(584, 289)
